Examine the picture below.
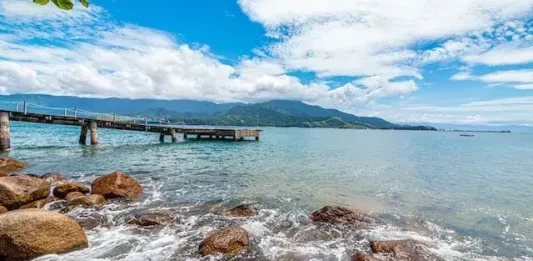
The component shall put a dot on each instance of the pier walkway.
(90, 122)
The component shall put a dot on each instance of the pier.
(90, 122)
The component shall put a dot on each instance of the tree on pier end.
(62, 4)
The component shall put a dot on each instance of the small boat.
(467, 135)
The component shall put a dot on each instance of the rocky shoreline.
(27, 231)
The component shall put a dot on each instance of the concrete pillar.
(5, 141)
(173, 135)
(184, 136)
(162, 137)
(94, 132)
(198, 136)
(83, 135)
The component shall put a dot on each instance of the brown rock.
(36, 204)
(151, 220)
(11, 165)
(403, 250)
(63, 189)
(87, 201)
(3, 209)
(117, 185)
(362, 257)
(342, 215)
(30, 233)
(53, 178)
(21, 190)
(73, 195)
(241, 211)
(3, 174)
(228, 242)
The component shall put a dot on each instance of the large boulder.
(53, 178)
(402, 250)
(3, 209)
(61, 190)
(18, 191)
(87, 201)
(228, 242)
(30, 233)
(342, 215)
(241, 211)
(117, 185)
(11, 165)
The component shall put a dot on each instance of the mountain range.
(280, 113)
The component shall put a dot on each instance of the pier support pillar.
(5, 141)
(198, 136)
(162, 137)
(94, 132)
(83, 135)
(184, 136)
(173, 135)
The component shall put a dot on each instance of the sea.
(465, 198)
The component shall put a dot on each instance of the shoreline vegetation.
(43, 203)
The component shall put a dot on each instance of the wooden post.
(83, 135)
(5, 141)
(162, 137)
(173, 135)
(94, 132)
(25, 107)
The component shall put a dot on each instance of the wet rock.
(30, 233)
(3, 174)
(92, 221)
(362, 257)
(73, 195)
(151, 220)
(402, 250)
(21, 190)
(117, 185)
(63, 189)
(53, 178)
(87, 200)
(37, 204)
(228, 242)
(3, 209)
(11, 165)
(241, 211)
(342, 215)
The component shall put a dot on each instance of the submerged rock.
(30, 233)
(11, 165)
(53, 178)
(117, 185)
(3, 209)
(37, 204)
(342, 215)
(87, 200)
(151, 220)
(228, 242)
(241, 211)
(63, 189)
(21, 190)
(402, 250)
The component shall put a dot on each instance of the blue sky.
(423, 61)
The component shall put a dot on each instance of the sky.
(410, 61)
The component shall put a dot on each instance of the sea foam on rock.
(117, 185)
(18, 191)
(344, 216)
(30, 233)
(228, 242)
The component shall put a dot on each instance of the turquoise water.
(467, 198)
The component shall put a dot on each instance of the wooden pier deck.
(93, 123)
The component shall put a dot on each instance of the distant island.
(276, 113)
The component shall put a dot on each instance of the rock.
(117, 185)
(342, 215)
(228, 242)
(403, 250)
(30, 233)
(36, 204)
(11, 165)
(63, 189)
(21, 190)
(3, 209)
(362, 257)
(73, 195)
(53, 178)
(92, 221)
(87, 201)
(151, 220)
(241, 211)
(3, 174)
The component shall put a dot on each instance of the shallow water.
(467, 198)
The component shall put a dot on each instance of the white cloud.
(503, 55)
